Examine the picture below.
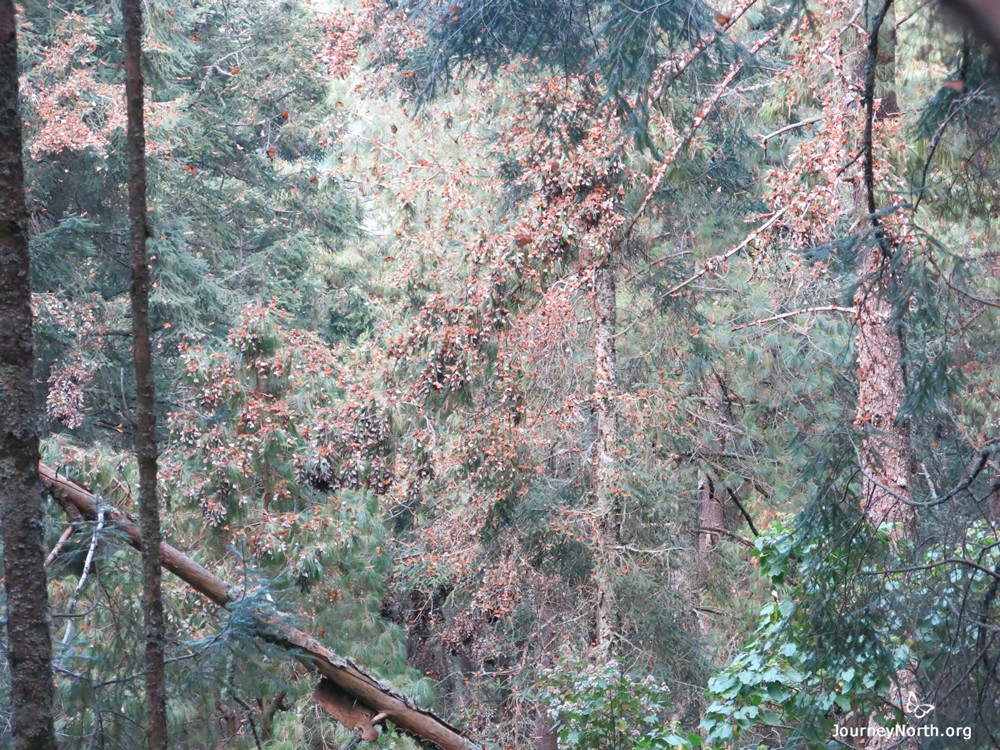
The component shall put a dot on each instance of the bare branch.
(794, 126)
(59, 545)
(793, 313)
(732, 496)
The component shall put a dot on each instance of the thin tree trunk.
(29, 650)
(606, 503)
(544, 642)
(347, 691)
(711, 521)
(546, 737)
(154, 630)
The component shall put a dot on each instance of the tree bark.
(607, 508)
(711, 519)
(371, 700)
(886, 452)
(154, 629)
(546, 737)
(545, 640)
(29, 649)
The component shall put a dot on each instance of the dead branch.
(59, 545)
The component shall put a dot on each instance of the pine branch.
(678, 67)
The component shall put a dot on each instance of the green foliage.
(601, 707)
(807, 658)
(840, 629)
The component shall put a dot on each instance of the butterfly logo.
(915, 708)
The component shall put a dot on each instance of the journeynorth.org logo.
(915, 710)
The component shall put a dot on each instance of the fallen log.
(346, 691)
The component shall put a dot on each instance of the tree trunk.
(154, 630)
(370, 701)
(606, 503)
(886, 453)
(711, 520)
(29, 650)
(546, 737)
(545, 640)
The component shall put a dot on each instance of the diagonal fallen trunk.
(371, 701)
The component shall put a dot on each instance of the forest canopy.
(523, 375)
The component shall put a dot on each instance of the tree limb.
(702, 114)
(59, 545)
